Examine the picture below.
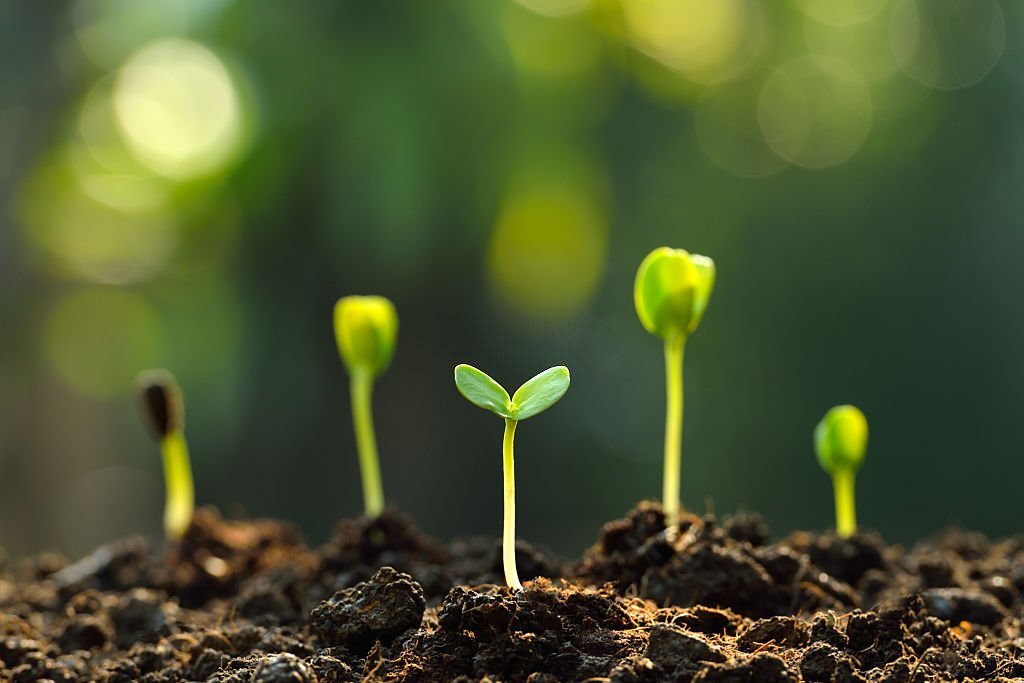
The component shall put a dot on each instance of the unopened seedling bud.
(535, 396)
(671, 293)
(841, 440)
(164, 411)
(366, 329)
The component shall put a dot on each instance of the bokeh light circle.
(97, 339)
(78, 218)
(178, 109)
(841, 12)
(865, 45)
(555, 8)
(727, 128)
(948, 44)
(548, 248)
(815, 111)
(708, 42)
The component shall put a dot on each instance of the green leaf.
(841, 439)
(479, 389)
(540, 393)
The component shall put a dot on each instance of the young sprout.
(671, 293)
(164, 410)
(841, 439)
(366, 329)
(535, 396)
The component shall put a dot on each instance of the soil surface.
(718, 601)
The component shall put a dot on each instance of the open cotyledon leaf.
(481, 390)
(535, 396)
(540, 393)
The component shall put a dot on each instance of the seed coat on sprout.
(163, 410)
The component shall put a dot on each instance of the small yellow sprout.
(164, 411)
(841, 440)
(366, 329)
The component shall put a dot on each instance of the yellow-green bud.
(366, 329)
(841, 439)
(672, 290)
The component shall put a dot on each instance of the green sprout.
(841, 439)
(366, 329)
(671, 293)
(535, 396)
(164, 410)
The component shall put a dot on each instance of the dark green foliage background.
(383, 134)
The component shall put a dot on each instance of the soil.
(718, 601)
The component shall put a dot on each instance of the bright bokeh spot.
(815, 111)
(948, 44)
(96, 225)
(547, 252)
(97, 339)
(727, 128)
(555, 8)
(708, 42)
(841, 12)
(178, 109)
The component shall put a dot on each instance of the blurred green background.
(193, 183)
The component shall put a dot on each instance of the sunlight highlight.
(547, 252)
(178, 109)
(708, 42)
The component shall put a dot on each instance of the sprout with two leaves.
(841, 440)
(366, 329)
(671, 293)
(535, 396)
(163, 409)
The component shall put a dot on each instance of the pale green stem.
(673, 427)
(508, 538)
(846, 514)
(180, 501)
(366, 442)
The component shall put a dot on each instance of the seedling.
(366, 329)
(841, 439)
(535, 396)
(671, 293)
(164, 410)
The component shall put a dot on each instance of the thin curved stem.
(508, 537)
(366, 442)
(673, 427)
(846, 511)
(180, 503)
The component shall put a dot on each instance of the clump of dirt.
(244, 601)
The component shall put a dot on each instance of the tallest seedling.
(671, 293)
(366, 329)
